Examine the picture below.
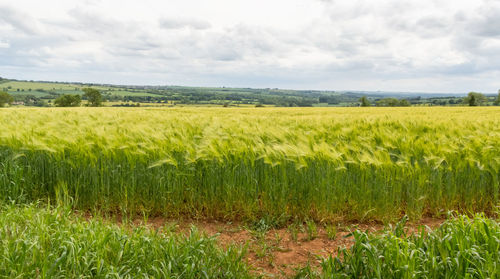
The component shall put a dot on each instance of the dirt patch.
(278, 253)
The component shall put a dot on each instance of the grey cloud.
(478, 35)
(178, 23)
(488, 25)
(18, 20)
(460, 16)
(232, 44)
(91, 21)
(432, 22)
(460, 69)
(424, 27)
(356, 65)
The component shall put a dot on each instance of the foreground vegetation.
(266, 166)
(52, 243)
(244, 164)
(460, 248)
(43, 242)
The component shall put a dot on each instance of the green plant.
(93, 96)
(268, 222)
(293, 229)
(331, 231)
(364, 101)
(68, 101)
(474, 99)
(5, 98)
(311, 230)
(460, 248)
(52, 243)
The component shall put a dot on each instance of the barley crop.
(242, 164)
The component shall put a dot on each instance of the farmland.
(370, 164)
(34, 93)
(265, 167)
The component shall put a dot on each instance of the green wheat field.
(327, 165)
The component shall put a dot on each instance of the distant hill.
(44, 92)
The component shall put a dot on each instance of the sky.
(387, 45)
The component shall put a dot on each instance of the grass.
(331, 231)
(130, 93)
(35, 93)
(460, 248)
(38, 85)
(246, 164)
(65, 88)
(50, 86)
(53, 243)
(312, 230)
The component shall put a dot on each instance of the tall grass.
(460, 248)
(350, 163)
(53, 243)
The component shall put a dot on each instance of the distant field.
(225, 96)
(129, 93)
(330, 163)
(64, 88)
(38, 85)
(32, 88)
(33, 92)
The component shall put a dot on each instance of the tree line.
(472, 99)
(95, 99)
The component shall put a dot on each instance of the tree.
(393, 102)
(93, 96)
(474, 99)
(68, 101)
(5, 98)
(388, 102)
(404, 103)
(497, 101)
(364, 101)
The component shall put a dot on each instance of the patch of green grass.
(35, 93)
(60, 88)
(39, 85)
(130, 93)
(69, 92)
(52, 243)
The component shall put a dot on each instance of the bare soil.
(278, 253)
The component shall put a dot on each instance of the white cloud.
(428, 45)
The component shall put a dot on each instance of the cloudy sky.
(390, 45)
